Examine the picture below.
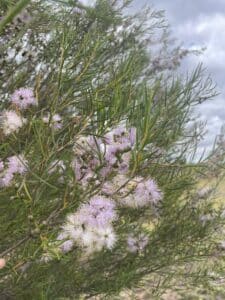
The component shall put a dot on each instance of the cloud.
(200, 25)
(205, 30)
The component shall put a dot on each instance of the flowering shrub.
(95, 183)
(102, 165)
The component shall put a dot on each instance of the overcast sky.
(196, 24)
(199, 23)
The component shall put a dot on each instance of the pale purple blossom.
(110, 154)
(141, 192)
(100, 211)
(23, 98)
(98, 157)
(6, 179)
(91, 226)
(137, 243)
(105, 171)
(120, 135)
(148, 191)
(16, 164)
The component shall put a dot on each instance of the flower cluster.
(104, 163)
(134, 193)
(11, 122)
(23, 98)
(96, 158)
(16, 164)
(101, 164)
(91, 226)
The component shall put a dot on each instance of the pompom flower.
(23, 98)
(91, 226)
(134, 193)
(16, 164)
(11, 122)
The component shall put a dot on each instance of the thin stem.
(12, 13)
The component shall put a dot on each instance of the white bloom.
(88, 238)
(11, 122)
(107, 237)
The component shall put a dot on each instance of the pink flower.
(6, 179)
(100, 211)
(2, 263)
(23, 98)
(16, 164)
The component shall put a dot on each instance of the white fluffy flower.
(88, 238)
(107, 237)
(11, 122)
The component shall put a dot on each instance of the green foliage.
(96, 63)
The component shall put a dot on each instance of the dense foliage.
(97, 179)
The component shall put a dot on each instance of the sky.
(199, 23)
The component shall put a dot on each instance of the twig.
(15, 246)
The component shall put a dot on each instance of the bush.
(98, 183)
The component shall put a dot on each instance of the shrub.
(98, 183)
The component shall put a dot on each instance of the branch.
(12, 13)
